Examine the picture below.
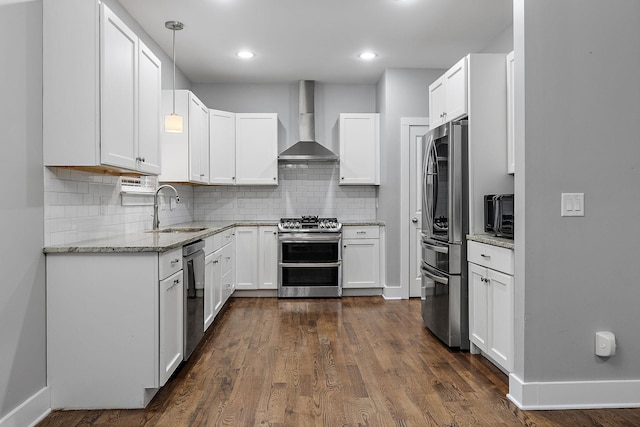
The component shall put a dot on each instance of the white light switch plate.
(572, 204)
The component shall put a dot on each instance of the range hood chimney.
(307, 149)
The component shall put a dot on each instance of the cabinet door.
(360, 263)
(268, 262)
(456, 90)
(478, 306)
(149, 110)
(118, 91)
(256, 149)
(222, 147)
(359, 149)
(501, 319)
(437, 102)
(198, 140)
(171, 325)
(246, 257)
(511, 160)
(211, 287)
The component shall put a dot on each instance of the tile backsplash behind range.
(84, 205)
(303, 189)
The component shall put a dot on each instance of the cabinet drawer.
(170, 262)
(494, 257)
(218, 240)
(366, 232)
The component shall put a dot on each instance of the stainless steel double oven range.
(309, 257)
(444, 229)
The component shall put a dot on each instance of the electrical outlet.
(572, 204)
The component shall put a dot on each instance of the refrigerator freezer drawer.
(444, 307)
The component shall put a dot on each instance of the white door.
(415, 207)
(222, 147)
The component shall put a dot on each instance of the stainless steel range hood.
(307, 149)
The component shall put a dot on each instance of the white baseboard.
(574, 394)
(392, 293)
(30, 412)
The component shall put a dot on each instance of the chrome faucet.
(156, 222)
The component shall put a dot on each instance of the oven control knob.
(296, 224)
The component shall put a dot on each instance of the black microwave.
(498, 215)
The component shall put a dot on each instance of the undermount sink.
(178, 230)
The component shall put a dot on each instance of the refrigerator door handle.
(433, 275)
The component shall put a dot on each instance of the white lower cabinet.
(361, 257)
(171, 325)
(218, 282)
(212, 287)
(256, 257)
(114, 327)
(491, 302)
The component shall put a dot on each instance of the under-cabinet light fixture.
(174, 122)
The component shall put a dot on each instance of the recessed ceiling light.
(245, 54)
(367, 55)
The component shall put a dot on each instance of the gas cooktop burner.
(309, 223)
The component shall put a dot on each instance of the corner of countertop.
(490, 239)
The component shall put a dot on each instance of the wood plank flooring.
(358, 361)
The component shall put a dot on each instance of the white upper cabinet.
(448, 95)
(511, 159)
(256, 149)
(360, 149)
(118, 85)
(222, 147)
(198, 140)
(101, 91)
(185, 155)
(149, 110)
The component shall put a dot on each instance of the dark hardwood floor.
(332, 362)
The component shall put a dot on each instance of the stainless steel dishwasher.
(193, 265)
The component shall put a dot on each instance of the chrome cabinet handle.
(485, 256)
(175, 261)
(414, 220)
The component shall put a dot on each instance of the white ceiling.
(318, 39)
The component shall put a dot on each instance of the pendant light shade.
(173, 122)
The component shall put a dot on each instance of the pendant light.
(173, 122)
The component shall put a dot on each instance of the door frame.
(405, 213)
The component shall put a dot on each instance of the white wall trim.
(30, 412)
(395, 292)
(574, 394)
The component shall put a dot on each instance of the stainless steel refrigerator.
(444, 228)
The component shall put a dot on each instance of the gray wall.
(167, 65)
(580, 64)
(330, 101)
(22, 304)
(401, 93)
(503, 43)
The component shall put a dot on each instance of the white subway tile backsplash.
(82, 205)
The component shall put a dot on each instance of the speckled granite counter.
(492, 240)
(363, 223)
(149, 241)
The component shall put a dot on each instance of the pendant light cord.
(174, 71)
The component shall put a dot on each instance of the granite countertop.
(362, 223)
(490, 239)
(149, 241)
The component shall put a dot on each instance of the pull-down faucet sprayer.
(156, 222)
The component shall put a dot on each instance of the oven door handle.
(434, 246)
(433, 275)
(309, 264)
(307, 239)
